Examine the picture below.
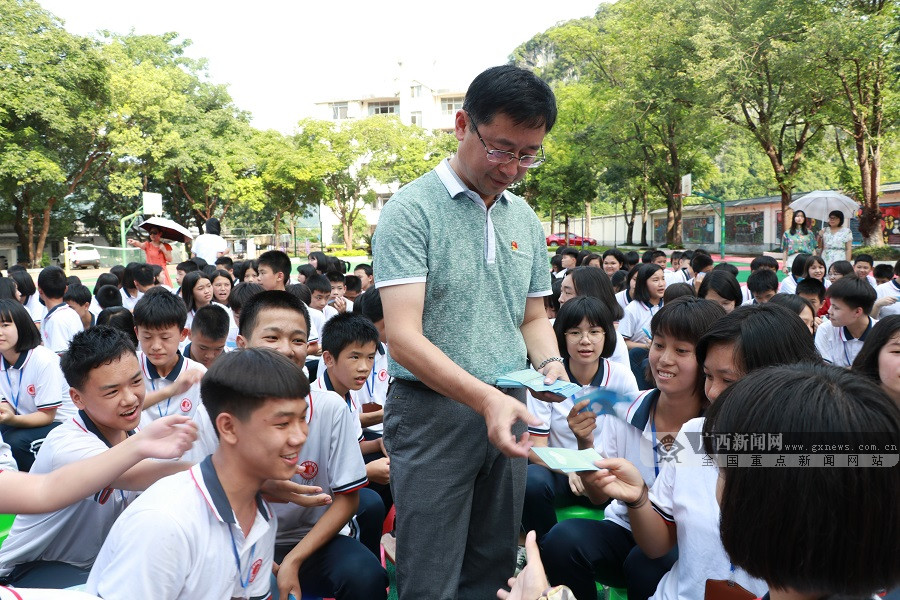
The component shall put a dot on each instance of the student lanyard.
(15, 399)
(237, 559)
(655, 442)
(371, 388)
(158, 410)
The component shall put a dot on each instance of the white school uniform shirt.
(316, 321)
(35, 308)
(623, 298)
(684, 493)
(180, 541)
(95, 307)
(892, 289)
(330, 459)
(329, 312)
(35, 382)
(351, 401)
(183, 404)
(7, 462)
(788, 285)
(837, 346)
(555, 426)
(635, 325)
(59, 326)
(746, 295)
(677, 276)
(36, 594)
(129, 301)
(230, 341)
(376, 386)
(74, 534)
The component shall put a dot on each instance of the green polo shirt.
(478, 266)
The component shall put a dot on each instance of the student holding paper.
(578, 552)
(586, 338)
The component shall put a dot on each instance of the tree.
(53, 98)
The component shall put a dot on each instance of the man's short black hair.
(515, 92)
(73, 279)
(353, 283)
(700, 262)
(241, 294)
(159, 309)
(12, 311)
(109, 296)
(866, 258)
(278, 261)
(265, 300)
(569, 251)
(78, 293)
(762, 281)
(143, 275)
(810, 286)
(226, 388)
(187, 266)
(365, 267)
(52, 281)
(369, 305)
(335, 277)
(854, 292)
(93, 348)
(763, 262)
(301, 291)
(344, 329)
(318, 283)
(211, 321)
(106, 279)
(225, 262)
(883, 271)
(631, 259)
(771, 526)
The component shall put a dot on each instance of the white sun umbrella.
(817, 205)
(169, 228)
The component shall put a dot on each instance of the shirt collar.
(846, 335)
(330, 387)
(641, 416)
(597, 381)
(896, 283)
(455, 185)
(187, 350)
(212, 490)
(53, 310)
(173, 374)
(20, 362)
(90, 426)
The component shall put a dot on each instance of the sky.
(279, 57)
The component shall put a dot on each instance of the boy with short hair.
(61, 323)
(320, 292)
(701, 264)
(862, 267)
(308, 539)
(226, 263)
(812, 290)
(78, 297)
(144, 278)
(840, 340)
(171, 380)
(675, 259)
(763, 284)
(209, 334)
(209, 532)
(109, 296)
(338, 289)
(882, 273)
(366, 275)
(353, 286)
(56, 549)
(659, 257)
(274, 270)
(182, 269)
(569, 257)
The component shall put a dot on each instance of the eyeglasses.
(592, 335)
(502, 157)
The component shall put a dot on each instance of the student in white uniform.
(889, 295)
(31, 385)
(172, 381)
(790, 544)
(788, 285)
(338, 300)
(374, 393)
(196, 291)
(649, 289)
(841, 338)
(586, 338)
(208, 533)
(681, 506)
(28, 289)
(209, 335)
(578, 552)
(61, 322)
(130, 293)
(56, 549)
(588, 281)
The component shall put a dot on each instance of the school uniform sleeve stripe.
(265, 597)
(352, 487)
(539, 431)
(662, 513)
(50, 406)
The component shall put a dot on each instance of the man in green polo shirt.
(462, 269)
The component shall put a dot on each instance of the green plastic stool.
(6, 522)
(590, 512)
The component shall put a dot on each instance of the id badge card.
(726, 589)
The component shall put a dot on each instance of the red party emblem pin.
(515, 245)
(186, 405)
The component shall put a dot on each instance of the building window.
(339, 111)
(384, 108)
(416, 118)
(415, 91)
(449, 106)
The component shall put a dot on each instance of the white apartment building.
(413, 101)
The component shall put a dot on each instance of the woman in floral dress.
(835, 241)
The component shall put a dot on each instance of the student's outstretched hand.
(186, 380)
(500, 413)
(620, 480)
(169, 437)
(285, 490)
(288, 581)
(582, 424)
(532, 581)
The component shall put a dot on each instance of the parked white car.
(82, 256)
